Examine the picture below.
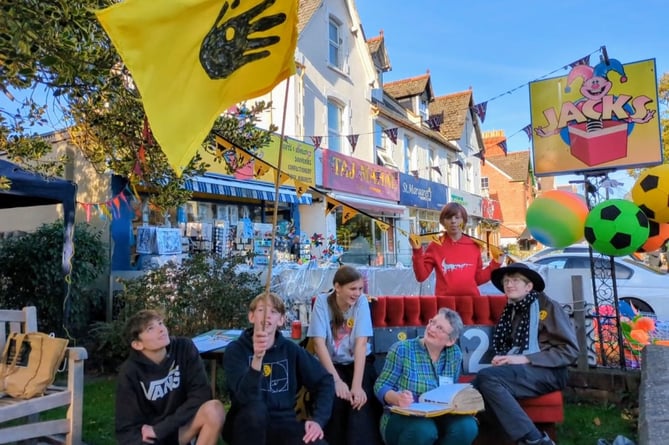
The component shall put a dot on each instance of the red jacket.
(457, 264)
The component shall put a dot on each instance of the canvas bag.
(29, 363)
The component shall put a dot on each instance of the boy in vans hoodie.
(264, 371)
(163, 395)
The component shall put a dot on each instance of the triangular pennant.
(582, 61)
(528, 131)
(353, 140)
(414, 173)
(300, 188)
(415, 239)
(347, 214)
(283, 177)
(403, 232)
(433, 237)
(480, 110)
(502, 145)
(260, 168)
(330, 204)
(392, 134)
(382, 226)
(438, 170)
(375, 111)
(243, 157)
(481, 156)
(435, 121)
(316, 140)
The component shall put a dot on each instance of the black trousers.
(502, 387)
(251, 424)
(348, 426)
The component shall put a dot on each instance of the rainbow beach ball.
(556, 218)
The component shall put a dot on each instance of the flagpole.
(275, 213)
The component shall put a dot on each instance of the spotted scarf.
(525, 339)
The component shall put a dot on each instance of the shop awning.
(370, 205)
(244, 189)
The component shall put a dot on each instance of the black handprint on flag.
(228, 45)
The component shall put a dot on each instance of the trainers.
(543, 441)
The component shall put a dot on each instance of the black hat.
(523, 269)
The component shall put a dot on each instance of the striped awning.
(244, 189)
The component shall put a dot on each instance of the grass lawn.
(584, 422)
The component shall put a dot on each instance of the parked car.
(581, 248)
(646, 288)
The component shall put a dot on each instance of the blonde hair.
(272, 299)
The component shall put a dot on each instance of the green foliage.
(203, 293)
(55, 58)
(31, 274)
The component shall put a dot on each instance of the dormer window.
(423, 108)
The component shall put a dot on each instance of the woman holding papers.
(418, 365)
(340, 327)
(456, 258)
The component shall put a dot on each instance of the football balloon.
(651, 193)
(616, 227)
(658, 234)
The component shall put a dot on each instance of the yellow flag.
(300, 187)
(243, 157)
(381, 225)
(331, 204)
(260, 168)
(347, 214)
(415, 239)
(192, 59)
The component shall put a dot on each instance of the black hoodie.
(165, 396)
(285, 368)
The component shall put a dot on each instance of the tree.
(55, 57)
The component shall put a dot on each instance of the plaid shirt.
(408, 366)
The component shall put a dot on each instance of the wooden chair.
(23, 415)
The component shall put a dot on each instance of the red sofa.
(403, 316)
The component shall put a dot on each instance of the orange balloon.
(657, 236)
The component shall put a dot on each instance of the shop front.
(365, 211)
(228, 214)
(424, 199)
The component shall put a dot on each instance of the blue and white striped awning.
(244, 189)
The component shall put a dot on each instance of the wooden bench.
(24, 415)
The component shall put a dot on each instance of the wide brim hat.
(521, 268)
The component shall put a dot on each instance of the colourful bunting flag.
(392, 134)
(502, 145)
(435, 121)
(353, 140)
(415, 239)
(330, 204)
(528, 131)
(382, 226)
(582, 61)
(347, 214)
(260, 168)
(204, 55)
(403, 232)
(316, 140)
(438, 170)
(481, 156)
(480, 110)
(300, 188)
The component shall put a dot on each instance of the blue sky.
(497, 47)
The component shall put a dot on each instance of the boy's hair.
(138, 322)
(273, 299)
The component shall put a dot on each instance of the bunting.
(204, 70)
(438, 170)
(330, 205)
(347, 214)
(415, 239)
(582, 61)
(528, 131)
(300, 187)
(353, 140)
(480, 110)
(316, 141)
(260, 168)
(392, 134)
(502, 145)
(280, 177)
(481, 156)
(383, 226)
(435, 121)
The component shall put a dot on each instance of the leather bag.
(29, 363)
